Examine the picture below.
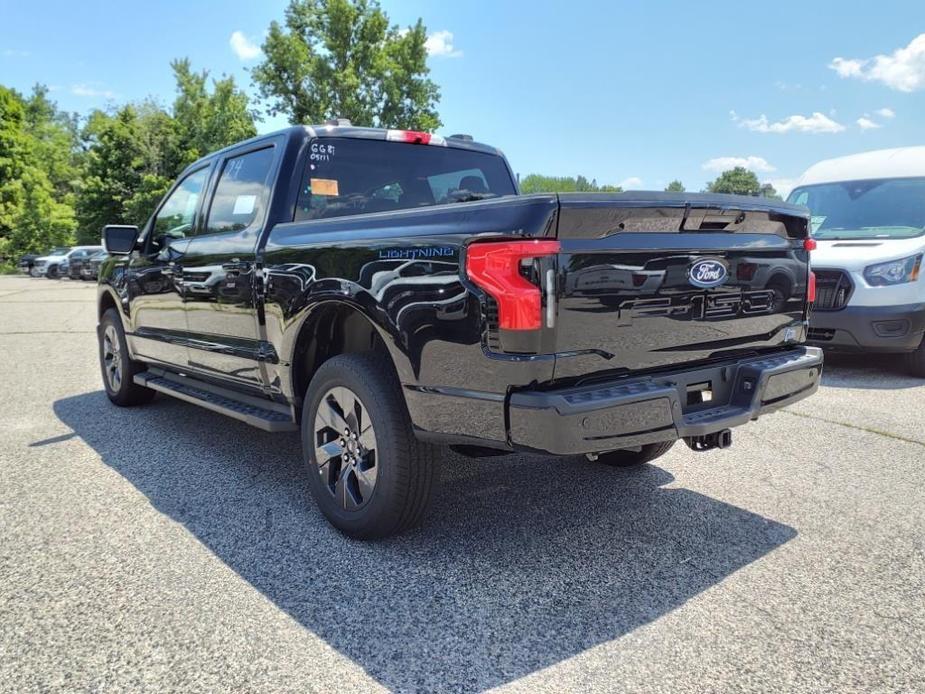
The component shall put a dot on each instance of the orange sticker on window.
(324, 186)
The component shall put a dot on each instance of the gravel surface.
(167, 548)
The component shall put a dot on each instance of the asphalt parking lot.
(167, 548)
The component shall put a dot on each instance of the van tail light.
(811, 290)
(495, 268)
(809, 244)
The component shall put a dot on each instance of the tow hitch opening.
(720, 439)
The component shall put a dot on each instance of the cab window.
(242, 193)
(346, 176)
(176, 217)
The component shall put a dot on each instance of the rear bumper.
(869, 328)
(634, 412)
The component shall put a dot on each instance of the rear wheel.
(117, 367)
(646, 454)
(367, 471)
(916, 361)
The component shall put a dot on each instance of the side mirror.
(119, 239)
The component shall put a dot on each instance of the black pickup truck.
(383, 291)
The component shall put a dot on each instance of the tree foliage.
(536, 183)
(675, 187)
(134, 154)
(342, 58)
(31, 219)
(741, 181)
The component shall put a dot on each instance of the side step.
(263, 414)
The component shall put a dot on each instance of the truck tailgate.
(651, 280)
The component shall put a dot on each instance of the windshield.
(61, 250)
(885, 208)
(347, 176)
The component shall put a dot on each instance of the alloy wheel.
(345, 448)
(112, 358)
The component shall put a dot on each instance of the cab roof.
(304, 132)
(902, 162)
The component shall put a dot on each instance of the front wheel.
(646, 454)
(52, 272)
(118, 368)
(367, 471)
(916, 361)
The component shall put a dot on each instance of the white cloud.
(243, 47)
(631, 183)
(885, 112)
(816, 123)
(14, 53)
(440, 44)
(902, 70)
(92, 91)
(865, 123)
(751, 163)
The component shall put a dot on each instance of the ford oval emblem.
(707, 273)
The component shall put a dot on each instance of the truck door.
(219, 270)
(154, 283)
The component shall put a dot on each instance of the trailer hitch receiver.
(707, 442)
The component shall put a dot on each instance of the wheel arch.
(105, 302)
(330, 328)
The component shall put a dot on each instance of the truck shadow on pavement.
(868, 371)
(522, 561)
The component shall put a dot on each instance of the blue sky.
(631, 93)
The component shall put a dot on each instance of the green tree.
(537, 183)
(206, 122)
(738, 181)
(741, 181)
(342, 58)
(675, 187)
(115, 165)
(134, 154)
(56, 141)
(30, 217)
(768, 191)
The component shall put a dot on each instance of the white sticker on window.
(244, 204)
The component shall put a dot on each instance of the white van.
(868, 218)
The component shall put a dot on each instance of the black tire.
(402, 467)
(646, 454)
(52, 272)
(123, 391)
(916, 361)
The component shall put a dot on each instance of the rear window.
(350, 176)
(886, 208)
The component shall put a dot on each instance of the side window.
(242, 193)
(178, 213)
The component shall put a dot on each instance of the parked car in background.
(55, 256)
(90, 268)
(56, 263)
(868, 219)
(26, 262)
(75, 262)
(385, 290)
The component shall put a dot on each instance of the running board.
(263, 414)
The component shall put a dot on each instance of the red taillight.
(811, 289)
(414, 137)
(809, 244)
(495, 267)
